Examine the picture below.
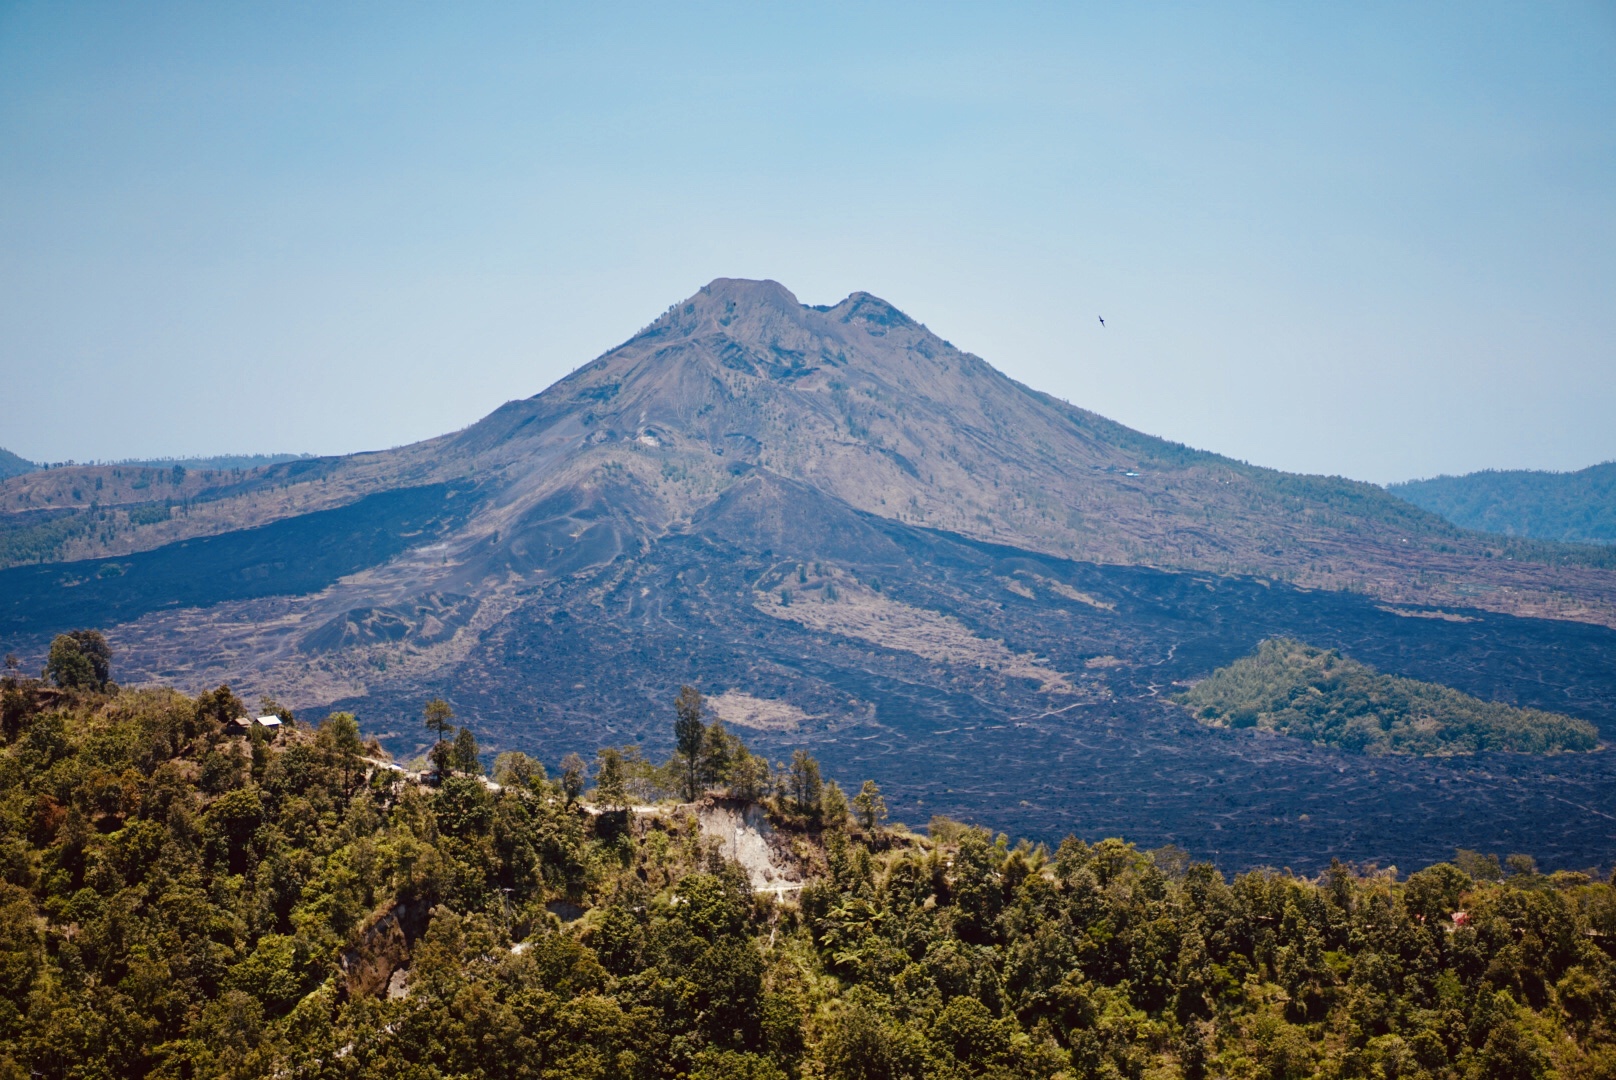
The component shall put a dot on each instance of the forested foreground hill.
(181, 901)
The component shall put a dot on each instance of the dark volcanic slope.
(288, 557)
(1110, 758)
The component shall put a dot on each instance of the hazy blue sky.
(1377, 240)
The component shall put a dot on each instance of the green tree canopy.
(574, 770)
(466, 758)
(80, 660)
(870, 808)
(177, 903)
(611, 780)
(689, 739)
(512, 768)
(807, 789)
(438, 716)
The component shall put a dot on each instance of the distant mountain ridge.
(1575, 507)
(13, 465)
(214, 462)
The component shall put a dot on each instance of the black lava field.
(594, 661)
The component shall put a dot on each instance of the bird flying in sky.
(1102, 320)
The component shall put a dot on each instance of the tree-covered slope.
(1323, 697)
(1578, 507)
(12, 465)
(180, 901)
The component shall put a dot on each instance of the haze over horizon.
(1371, 243)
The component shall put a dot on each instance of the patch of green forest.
(181, 897)
(13, 465)
(41, 535)
(1579, 507)
(1321, 696)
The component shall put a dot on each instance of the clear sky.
(1369, 239)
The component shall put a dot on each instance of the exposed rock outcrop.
(743, 830)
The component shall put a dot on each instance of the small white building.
(270, 722)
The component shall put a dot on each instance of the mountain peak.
(748, 291)
(768, 313)
(867, 308)
(733, 307)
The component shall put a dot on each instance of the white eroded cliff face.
(750, 840)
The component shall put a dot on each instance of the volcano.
(857, 538)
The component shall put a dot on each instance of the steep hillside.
(866, 406)
(1576, 507)
(875, 410)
